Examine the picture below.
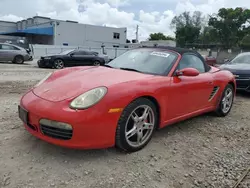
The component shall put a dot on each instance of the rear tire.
(136, 125)
(97, 63)
(18, 59)
(226, 101)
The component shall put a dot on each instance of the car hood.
(238, 68)
(68, 84)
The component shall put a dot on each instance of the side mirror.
(226, 60)
(71, 54)
(188, 72)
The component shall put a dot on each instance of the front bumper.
(243, 84)
(45, 63)
(28, 57)
(93, 128)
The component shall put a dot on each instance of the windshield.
(148, 61)
(66, 52)
(243, 58)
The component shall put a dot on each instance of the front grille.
(242, 86)
(57, 133)
(213, 93)
(243, 76)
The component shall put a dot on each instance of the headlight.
(47, 58)
(45, 78)
(89, 98)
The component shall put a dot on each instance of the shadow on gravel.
(9, 63)
(243, 94)
(41, 148)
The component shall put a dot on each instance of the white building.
(43, 30)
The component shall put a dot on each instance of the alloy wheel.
(59, 64)
(96, 63)
(140, 126)
(227, 100)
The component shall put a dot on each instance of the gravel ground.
(205, 151)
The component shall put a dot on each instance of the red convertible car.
(123, 102)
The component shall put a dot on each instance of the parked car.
(14, 53)
(71, 58)
(123, 102)
(240, 67)
(210, 60)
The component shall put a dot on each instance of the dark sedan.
(240, 67)
(71, 58)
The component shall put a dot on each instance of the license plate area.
(23, 114)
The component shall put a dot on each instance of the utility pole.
(137, 29)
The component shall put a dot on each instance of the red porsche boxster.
(123, 102)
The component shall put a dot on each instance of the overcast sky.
(150, 15)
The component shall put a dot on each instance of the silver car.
(13, 53)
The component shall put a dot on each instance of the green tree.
(159, 36)
(245, 42)
(230, 25)
(187, 27)
(208, 35)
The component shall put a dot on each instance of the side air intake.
(213, 93)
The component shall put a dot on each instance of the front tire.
(226, 101)
(58, 64)
(136, 125)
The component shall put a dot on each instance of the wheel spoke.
(135, 117)
(225, 105)
(139, 137)
(229, 94)
(132, 132)
(145, 113)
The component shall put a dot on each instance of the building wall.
(40, 25)
(39, 20)
(40, 40)
(7, 27)
(83, 34)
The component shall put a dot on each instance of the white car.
(13, 53)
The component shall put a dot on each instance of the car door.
(7, 52)
(2, 57)
(72, 58)
(82, 58)
(190, 94)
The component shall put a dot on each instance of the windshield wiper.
(129, 69)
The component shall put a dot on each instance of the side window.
(80, 53)
(7, 47)
(191, 61)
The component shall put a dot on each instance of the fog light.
(55, 124)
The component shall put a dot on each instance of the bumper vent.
(57, 133)
(213, 93)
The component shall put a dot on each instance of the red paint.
(188, 72)
(179, 98)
